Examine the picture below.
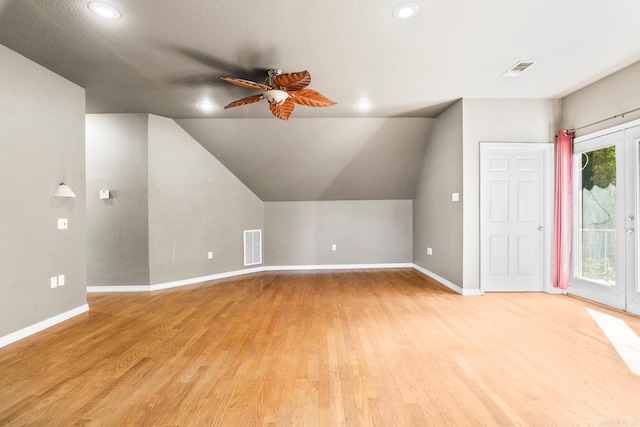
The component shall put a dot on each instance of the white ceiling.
(164, 56)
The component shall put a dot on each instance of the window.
(596, 257)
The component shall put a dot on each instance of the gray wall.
(495, 120)
(195, 206)
(437, 220)
(117, 228)
(306, 159)
(364, 232)
(605, 98)
(41, 145)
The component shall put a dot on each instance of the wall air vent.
(517, 69)
(252, 247)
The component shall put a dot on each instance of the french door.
(605, 250)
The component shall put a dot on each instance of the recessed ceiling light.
(406, 10)
(364, 105)
(207, 106)
(104, 10)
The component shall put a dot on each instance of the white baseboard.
(192, 281)
(448, 284)
(335, 266)
(554, 291)
(472, 292)
(174, 284)
(133, 288)
(195, 280)
(30, 330)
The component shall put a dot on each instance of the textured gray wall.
(195, 206)
(496, 120)
(364, 232)
(41, 145)
(321, 158)
(613, 95)
(437, 220)
(117, 228)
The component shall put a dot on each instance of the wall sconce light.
(63, 190)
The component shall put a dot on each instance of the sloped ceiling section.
(319, 159)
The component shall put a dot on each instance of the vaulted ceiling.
(165, 57)
(357, 159)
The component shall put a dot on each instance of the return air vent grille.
(252, 247)
(517, 69)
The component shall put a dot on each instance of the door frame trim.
(636, 182)
(616, 128)
(632, 204)
(584, 288)
(548, 176)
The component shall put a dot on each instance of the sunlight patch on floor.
(622, 337)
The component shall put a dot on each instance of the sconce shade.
(63, 190)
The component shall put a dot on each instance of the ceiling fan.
(282, 92)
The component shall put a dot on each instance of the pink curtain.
(563, 223)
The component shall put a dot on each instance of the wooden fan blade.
(293, 81)
(245, 83)
(282, 111)
(311, 98)
(244, 101)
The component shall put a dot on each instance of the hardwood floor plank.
(331, 348)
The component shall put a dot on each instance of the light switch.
(63, 224)
(61, 280)
(334, 247)
(210, 255)
(429, 251)
(455, 197)
(54, 282)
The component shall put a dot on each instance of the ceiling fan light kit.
(276, 96)
(282, 92)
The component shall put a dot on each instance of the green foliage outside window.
(599, 168)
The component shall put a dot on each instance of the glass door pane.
(599, 200)
(606, 205)
(597, 217)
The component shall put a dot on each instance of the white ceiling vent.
(517, 69)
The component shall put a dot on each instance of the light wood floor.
(360, 348)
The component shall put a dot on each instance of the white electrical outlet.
(61, 280)
(455, 197)
(54, 282)
(63, 224)
(210, 255)
(429, 251)
(334, 247)
(104, 194)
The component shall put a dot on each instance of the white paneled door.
(514, 217)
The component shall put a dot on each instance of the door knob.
(540, 228)
(629, 230)
(631, 217)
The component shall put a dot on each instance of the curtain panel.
(563, 222)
